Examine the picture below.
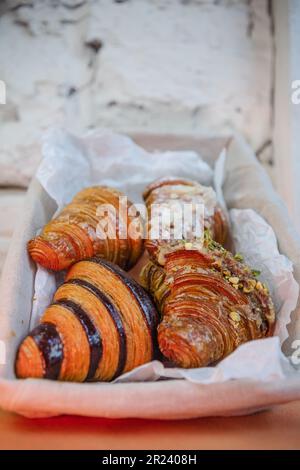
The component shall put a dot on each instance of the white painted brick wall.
(161, 66)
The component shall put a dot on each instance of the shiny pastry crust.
(74, 234)
(173, 189)
(210, 303)
(32, 360)
(101, 324)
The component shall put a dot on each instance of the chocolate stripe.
(115, 315)
(50, 345)
(93, 336)
(146, 305)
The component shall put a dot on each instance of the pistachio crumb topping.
(256, 272)
(235, 316)
(240, 277)
(188, 246)
(239, 257)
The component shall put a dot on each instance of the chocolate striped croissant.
(79, 232)
(210, 302)
(101, 324)
(168, 191)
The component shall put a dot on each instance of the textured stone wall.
(188, 67)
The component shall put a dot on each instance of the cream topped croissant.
(179, 194)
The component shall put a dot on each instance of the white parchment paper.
(101, 157)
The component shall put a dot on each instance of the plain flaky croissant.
(101, 324)
(210, 301)
(179, 192)
(77, 233)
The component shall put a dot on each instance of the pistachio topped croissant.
(90, 225)
(210, 301)
(181, 195)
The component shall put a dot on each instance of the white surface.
(168, 399)
(165, 66)
(287, 114)
(11, 201)
(249, 228)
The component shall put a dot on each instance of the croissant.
(77, 232)
(172, 190)
(101, 324)
(210, 301)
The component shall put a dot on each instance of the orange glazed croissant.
(101, 324)
(76, 233)
(210, 302)
(173, 190)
